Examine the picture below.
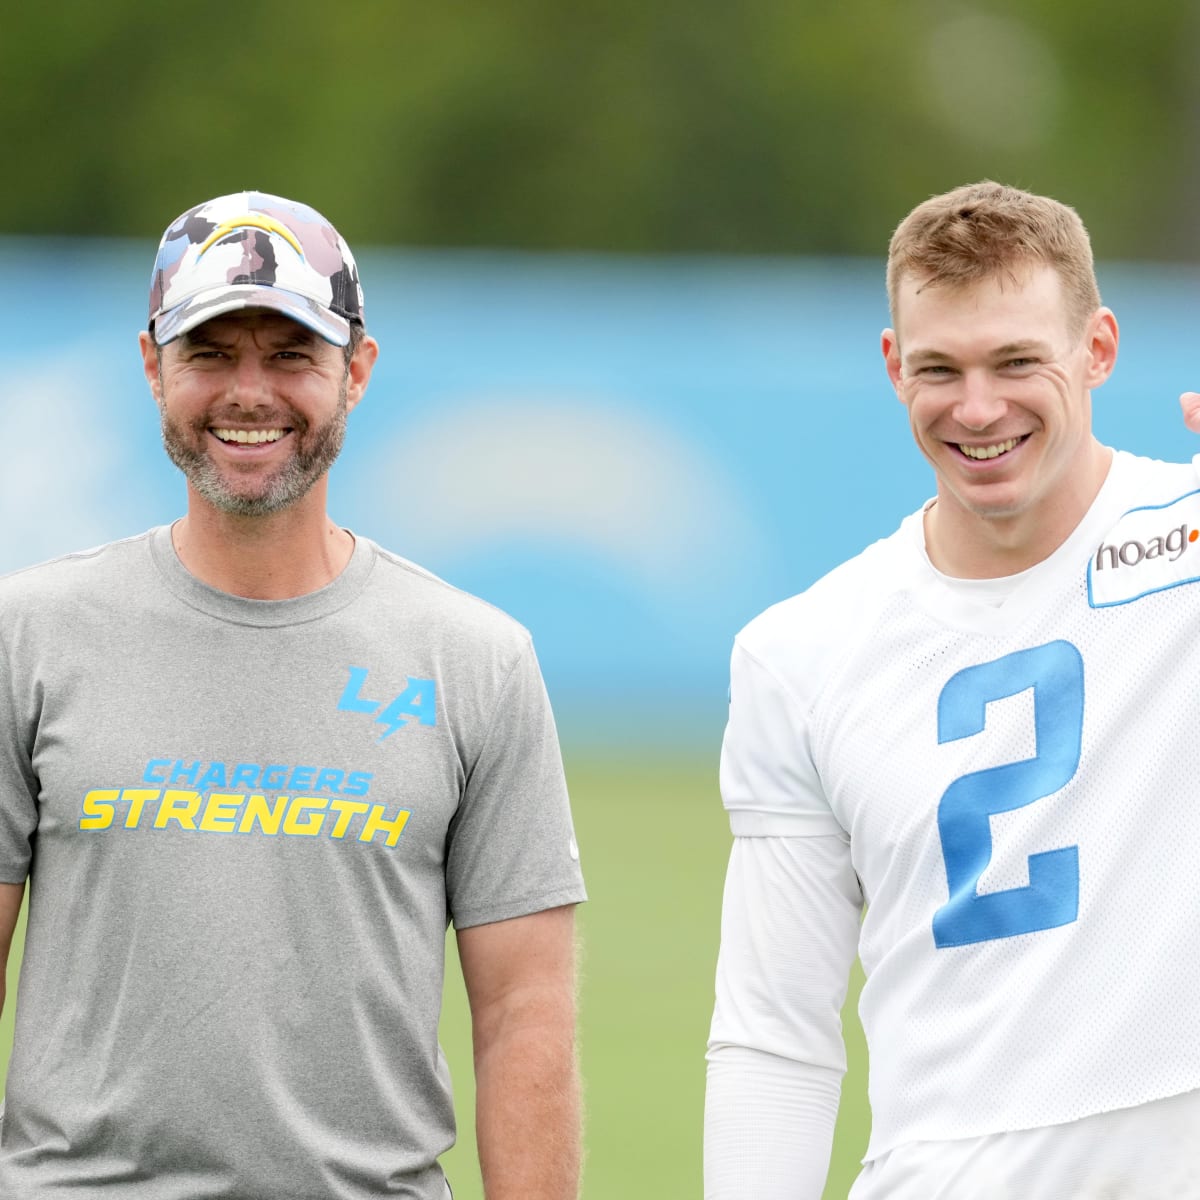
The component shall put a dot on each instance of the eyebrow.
(1008, 350)
(933, 356)
(192, 338)
(298, 337)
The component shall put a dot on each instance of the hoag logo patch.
(1148, 550)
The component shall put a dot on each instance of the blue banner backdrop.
(632, 456)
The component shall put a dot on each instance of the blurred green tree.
(767, 127)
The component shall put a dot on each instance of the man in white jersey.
(964, 755)
(252, 765)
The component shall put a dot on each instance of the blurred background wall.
(633, 455)
(625, 262)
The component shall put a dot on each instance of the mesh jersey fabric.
(1012, 790)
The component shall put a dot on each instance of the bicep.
(789, 934)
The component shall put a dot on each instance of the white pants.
(1151, 1152)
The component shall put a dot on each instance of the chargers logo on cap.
(268, 224)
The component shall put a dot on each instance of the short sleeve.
(18, 784)
(511, 845)
(768, 781)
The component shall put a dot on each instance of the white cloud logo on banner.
(593, 475)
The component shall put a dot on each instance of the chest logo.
(418, 701)
(1147, 551)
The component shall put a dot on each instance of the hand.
(1190, 403)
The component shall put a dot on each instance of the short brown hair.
(986, 229)
(357, 333)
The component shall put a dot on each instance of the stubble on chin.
(318, 449)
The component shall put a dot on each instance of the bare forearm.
(11, 895)
(529, 1113)
(520, 976)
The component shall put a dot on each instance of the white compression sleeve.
(768, 1126)
(789, 931)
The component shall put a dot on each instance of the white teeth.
(249, 436)
(989, 451)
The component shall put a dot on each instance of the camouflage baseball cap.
(252, 250)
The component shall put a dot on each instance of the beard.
(317, 448)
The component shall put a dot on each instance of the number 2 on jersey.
(1051, 898)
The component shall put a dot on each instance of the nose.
(980, 403)
(248, 385)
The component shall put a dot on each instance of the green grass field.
(654, 840)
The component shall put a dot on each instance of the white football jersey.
(1009, 766)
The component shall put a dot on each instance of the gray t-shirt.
(246, 825)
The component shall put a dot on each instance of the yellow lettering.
(346, 811)
(136, 799)
(375, 823)
(268, 818)
(299, 806)
(178, 805)
(220, 813)
(99, 808)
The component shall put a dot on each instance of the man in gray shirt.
(252, 765)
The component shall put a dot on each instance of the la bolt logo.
(417, 702)
(1133, 552)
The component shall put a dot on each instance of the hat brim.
(219, 301)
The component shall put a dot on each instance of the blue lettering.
(245, 775)
(184, 774)
(419, 699)
(251, 777)
(155, 770)
(273, 776)
(302, 778)
(351, 700)
(214, 777)
(328, 780)
(358, 783)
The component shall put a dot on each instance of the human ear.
(150, 364)
(1102, 337)
(889, 343)
(358, 373)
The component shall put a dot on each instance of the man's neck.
(966, 545)
(277, 557)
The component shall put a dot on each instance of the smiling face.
(253, 408)
(997, 385)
